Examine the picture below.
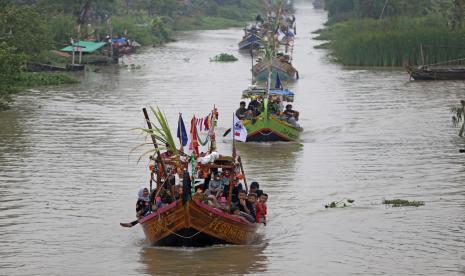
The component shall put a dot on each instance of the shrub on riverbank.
(31, 79)
(392, 41)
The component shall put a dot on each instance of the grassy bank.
(32, 79)
(392, 41)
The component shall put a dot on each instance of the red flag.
(194, 145)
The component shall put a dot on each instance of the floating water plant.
(340, 204)
(223, 57)
(403, 203)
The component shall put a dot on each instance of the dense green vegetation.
(31, 29)
(223, 57)
(390, 33)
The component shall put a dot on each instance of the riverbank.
(66, 151)
(50, 25)
(392, 41)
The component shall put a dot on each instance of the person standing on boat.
(242, 112)
(254, 104)
(292, 116)
(143, 202)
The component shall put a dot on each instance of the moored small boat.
(251, 40)
(427, 73)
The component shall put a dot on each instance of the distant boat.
(426, 73)
(319, 4)
(280, 64)
(250, 41)
(444, 70)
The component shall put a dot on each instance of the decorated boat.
(185, 218)
(270, 125)
(280, 65)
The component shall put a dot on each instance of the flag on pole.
(194, 145)
(278, 84)
(239, 131)
(281, 35)
(182, 134)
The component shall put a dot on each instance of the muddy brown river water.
(67, 176)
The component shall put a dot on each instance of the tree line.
(30, 29)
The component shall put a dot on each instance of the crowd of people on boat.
(249, 207)
(275, 107)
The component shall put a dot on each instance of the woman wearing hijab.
(143, 202)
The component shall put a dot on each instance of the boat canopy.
(254, 91)
(87, 46)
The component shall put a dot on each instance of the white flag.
(281, 35)
(239, 131)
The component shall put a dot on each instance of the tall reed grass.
(393, 41)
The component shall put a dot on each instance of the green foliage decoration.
(160, 131)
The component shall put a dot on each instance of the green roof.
(88, 46)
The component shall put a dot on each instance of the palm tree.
(459, 116)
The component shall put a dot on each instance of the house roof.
(87, 46)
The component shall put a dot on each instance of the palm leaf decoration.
(161, 131)
(459, 116)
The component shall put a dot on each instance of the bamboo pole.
(154, 141)
(231, 183)
(212, 131)
(243, 174)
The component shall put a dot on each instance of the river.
(68, 175)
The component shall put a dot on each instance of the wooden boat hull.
(286, 71)
(250, 41)
(436, 73)
(195, 224)
(271, 130)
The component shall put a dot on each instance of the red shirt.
(261, 212)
